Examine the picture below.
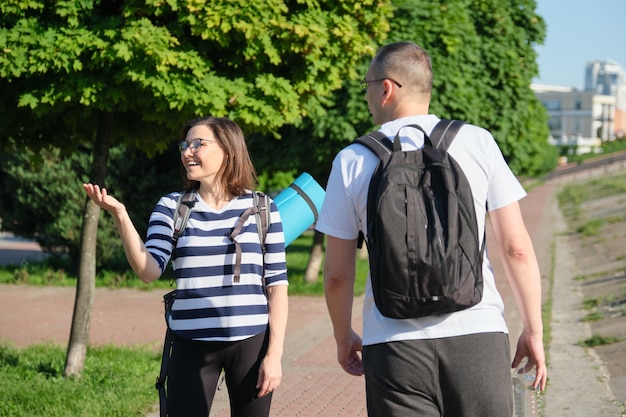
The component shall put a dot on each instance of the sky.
(579, 31)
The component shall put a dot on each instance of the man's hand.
(349, 354)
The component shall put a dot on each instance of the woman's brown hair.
(237, 173)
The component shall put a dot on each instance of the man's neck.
(398, 106)
(409, 110)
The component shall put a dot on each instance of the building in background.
(581, 120)
(608, 78)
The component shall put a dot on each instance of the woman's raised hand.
(101, 198)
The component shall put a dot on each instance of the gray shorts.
(463, 376)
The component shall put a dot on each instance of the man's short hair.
(406, 63)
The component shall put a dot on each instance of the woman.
(219, 322)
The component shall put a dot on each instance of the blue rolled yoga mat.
(299, 205)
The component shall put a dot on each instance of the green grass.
(115, 382)
(596, 340)
(593, 317)
(572, 196)
(53, 272)
(546, 307)
(590, 228)
(590, 303)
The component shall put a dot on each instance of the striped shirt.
(209, 305)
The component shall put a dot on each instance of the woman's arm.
(270, 372)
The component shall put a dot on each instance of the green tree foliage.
(158, 63)
(483, 61)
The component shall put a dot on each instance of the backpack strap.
(442, 136)
(186, 201)
(260, 208)
(376, 142)
(306, 198)
(168, 300)
(444, 133)
(262, 203)
(160, 380)
(382, 147)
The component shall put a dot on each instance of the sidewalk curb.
(577, 379)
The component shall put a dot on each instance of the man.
(452, 365)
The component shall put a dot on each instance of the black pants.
(194, 369)
(463, 376)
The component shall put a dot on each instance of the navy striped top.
(209, 305)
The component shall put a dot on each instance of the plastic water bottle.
(526, 397)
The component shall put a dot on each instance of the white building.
(584, 119)
(578, 119)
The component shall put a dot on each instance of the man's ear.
(388, 91)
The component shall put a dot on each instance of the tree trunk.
(86, 280)
(85, 287)
(315, 260)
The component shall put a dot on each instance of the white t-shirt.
(344, 214)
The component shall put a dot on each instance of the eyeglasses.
(194, 144)
(364, 83)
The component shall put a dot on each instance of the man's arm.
(339, 275)
(522, 272)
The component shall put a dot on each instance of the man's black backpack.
(424, 250)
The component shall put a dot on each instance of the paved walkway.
(313, 384)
